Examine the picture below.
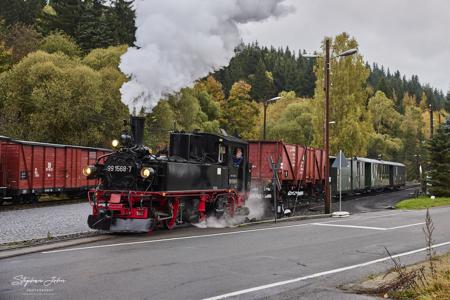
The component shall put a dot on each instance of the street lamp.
(327, 119)
(266, 103)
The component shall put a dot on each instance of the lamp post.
(327, 119)
(266, 103)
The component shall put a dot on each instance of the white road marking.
(175, 239)
(404, 226)
(334, 271)
(348, 226)
(362, 216)
(367, 227)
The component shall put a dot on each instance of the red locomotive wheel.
(170, 224)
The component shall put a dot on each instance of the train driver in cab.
(238, 157)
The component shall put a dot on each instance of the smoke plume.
(178, 42)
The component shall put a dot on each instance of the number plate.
(119, 169)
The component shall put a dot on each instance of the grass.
(423, 202)
(433, 287)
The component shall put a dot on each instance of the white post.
(340, 213)
(340, 180)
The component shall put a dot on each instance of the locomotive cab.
(226, 156)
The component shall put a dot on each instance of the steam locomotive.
(139, 191)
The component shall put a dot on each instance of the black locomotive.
(139, 190)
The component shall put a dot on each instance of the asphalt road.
(374, 202)
(292, 260)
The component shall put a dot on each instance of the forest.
(60, 81)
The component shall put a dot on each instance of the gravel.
(44, 222)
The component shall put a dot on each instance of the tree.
(159, 123)
(262, 83)
(241, 112)
(386, 122)
(94, 30)
(61, 15)
(295, 124)
(187, 109)
(447, 102)
(384, 117)
(212, 87)
(63, 101)
(60, 42)
(439, 152)
(20, 11)
(412, 137)
(351, 129)
(423, 102)
(22, 39)
(122, 19)
(5, 57)
(101, 58)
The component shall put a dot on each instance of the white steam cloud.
(178, 42)
(256, 205)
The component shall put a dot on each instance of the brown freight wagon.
(301, 174)
(29, 169)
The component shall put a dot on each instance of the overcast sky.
(412, 36)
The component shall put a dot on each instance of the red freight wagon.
(28, 169)
(301, 174)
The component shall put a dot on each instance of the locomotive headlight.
(89, 170)
(115, 143)
(147, 172)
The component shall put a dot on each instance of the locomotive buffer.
(340, 162)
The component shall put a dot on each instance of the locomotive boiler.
(201, 174)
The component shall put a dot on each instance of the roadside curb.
(52, 246)
(295, 218)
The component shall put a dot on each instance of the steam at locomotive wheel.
(139, 191)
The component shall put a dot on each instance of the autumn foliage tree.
(61, 99)
(351, 129)
(241, 113)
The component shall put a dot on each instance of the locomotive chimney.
(137, 129)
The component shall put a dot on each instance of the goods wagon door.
(12, 166)
(37, 165)
(49, 169)
(259, 154)
(60, 169)
(71, 170)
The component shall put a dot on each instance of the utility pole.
(431, 121)
(327, 126)
(265, 112)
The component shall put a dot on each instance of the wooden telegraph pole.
(327, 127)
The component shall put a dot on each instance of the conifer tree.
(262, 83)
(122, 22)
(439, 151)
(63, 15)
